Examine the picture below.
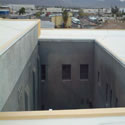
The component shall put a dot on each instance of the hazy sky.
(78, 3)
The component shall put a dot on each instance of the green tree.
(22, 11)
(81, 13)
(65, 17)
(38, 14)
(115, 11)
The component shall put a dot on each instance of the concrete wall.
(66, 94)
(105, 87)
(112, 74)
(24, 87)
(12, 64)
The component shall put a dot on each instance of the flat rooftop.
(12, 30)
(112, 40)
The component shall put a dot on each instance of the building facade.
(62, 69)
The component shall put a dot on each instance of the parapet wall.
(13, 61)
(109, 82)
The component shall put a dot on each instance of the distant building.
(58, 21)
(16, 7)
(122, 10)
(17, 16)
(4, 13)
(74, 10)
(4, 7)
(90, 10)
(53, 10)
(104, 19)
(47, 24)
(107, 10)
(97, 10)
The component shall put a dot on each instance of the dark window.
(38, 85)
(26, 102)
(43, 72)
(34, 92)
(43, 107)
(84, 71)
(116, 102)
(89, 103)
(106, 92)
(82, 101)
(110, 98)
(66, 72)
(98, 76)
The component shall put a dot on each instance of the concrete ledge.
(85, 113)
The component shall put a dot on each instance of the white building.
(54, 10)
(16, 7)
(90, 10)
(74, 10)
(107, 10)
(122, 9)
(97, 10)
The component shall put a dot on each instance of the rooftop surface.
(12, 30)
(111, 40)
(68, 121)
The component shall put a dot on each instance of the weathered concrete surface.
(24, 85)
(22, 89)
(74, 93)
(59, 94)
(112, 74)
(13, 61)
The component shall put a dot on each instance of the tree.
(22, 11)
(65, 17)
(81, 13)
(115, 10)
(38, 14)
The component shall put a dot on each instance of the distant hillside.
(69, 3)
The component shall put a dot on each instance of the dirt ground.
(112, 25)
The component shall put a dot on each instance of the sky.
(71, 3)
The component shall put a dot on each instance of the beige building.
(58, 21)
(54, 10)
